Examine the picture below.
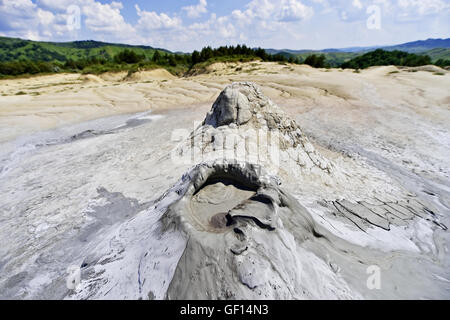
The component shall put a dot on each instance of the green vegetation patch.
(22, 58)
(381, 57)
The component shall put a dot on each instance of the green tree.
(195, 57)
(128, 56)
(156, 57)
(315, 61)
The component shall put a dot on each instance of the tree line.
(129, 59)
(381, 57)
(209, 53)
(15, 68)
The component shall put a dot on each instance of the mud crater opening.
(211, 203)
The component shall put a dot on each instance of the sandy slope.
(64, 191)
(388, 109)
(51, 101)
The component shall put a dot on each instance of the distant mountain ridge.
(421, 45)
(435, 48)
(411, 47)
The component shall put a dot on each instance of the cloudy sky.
(185, 25)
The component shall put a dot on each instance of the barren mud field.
(91, 177)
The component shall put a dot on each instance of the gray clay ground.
(340, 198)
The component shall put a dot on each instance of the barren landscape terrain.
(87, 173)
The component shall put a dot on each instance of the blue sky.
(185, 25)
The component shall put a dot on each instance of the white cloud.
(150, 20)
(23, 18)
(47, 19)
(294, 10)
(357, 4)
(60, 5)
(266, 23)
(12, 13)
(424, 7)
(106, 18)
(196, 11)
(275, 11)
(257, 23)
(221, 27)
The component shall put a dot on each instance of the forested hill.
(12, 49)
(436, 49)
(381, 57)
(24, 57)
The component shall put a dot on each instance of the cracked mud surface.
(96, 195)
